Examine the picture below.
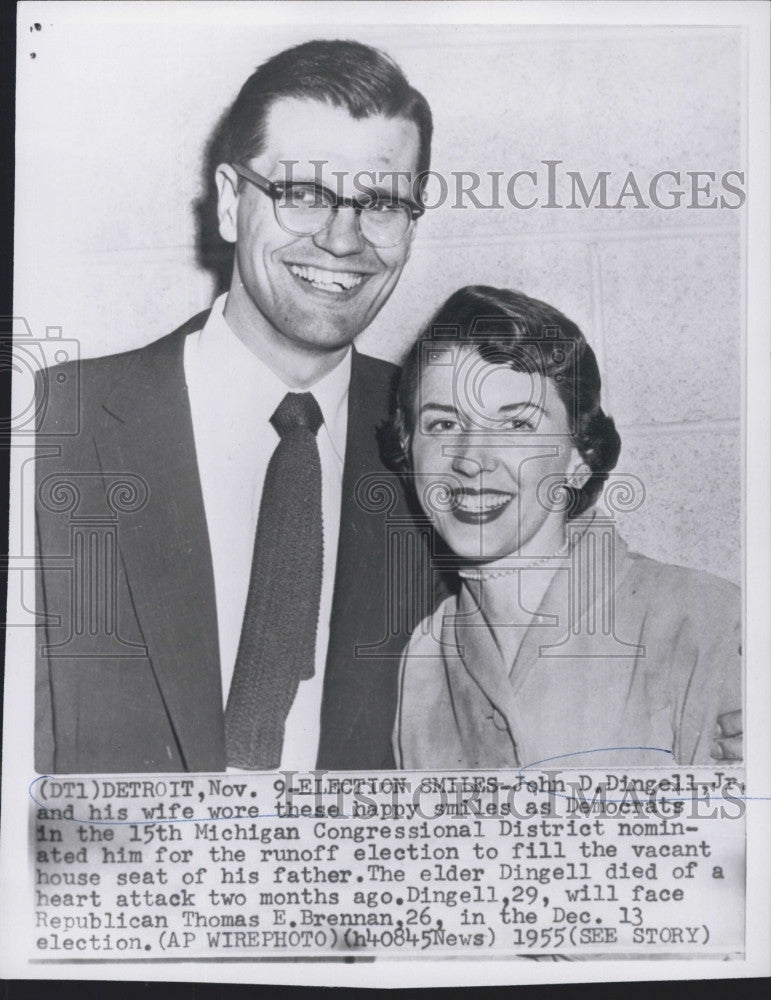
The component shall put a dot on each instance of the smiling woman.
(561, 643)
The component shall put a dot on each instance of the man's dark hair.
(509, 328)
(343, 74)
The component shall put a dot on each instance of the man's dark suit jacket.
(128, 672)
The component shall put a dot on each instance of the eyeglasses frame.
(277, 189)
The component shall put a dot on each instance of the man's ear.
(577, 471)
(227, 201)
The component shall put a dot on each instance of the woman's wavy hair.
(507, 327)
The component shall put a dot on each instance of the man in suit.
(178, 631)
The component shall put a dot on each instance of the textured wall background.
(110, 161)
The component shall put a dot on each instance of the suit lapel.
(148, 431)
(354, 685)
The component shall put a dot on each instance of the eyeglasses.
(304, 208)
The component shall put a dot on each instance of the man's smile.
(324, 279)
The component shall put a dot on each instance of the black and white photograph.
(388, 565)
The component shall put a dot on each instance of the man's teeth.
(480, 503)
(330, 281)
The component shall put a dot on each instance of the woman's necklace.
(491, 574)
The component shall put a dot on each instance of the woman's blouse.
(626, 662)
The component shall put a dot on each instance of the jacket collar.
(165, 546)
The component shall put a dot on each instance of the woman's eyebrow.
(523, 407)
(442, 407)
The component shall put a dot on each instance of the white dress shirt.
(233, 395)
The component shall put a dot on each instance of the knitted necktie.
(278, 637)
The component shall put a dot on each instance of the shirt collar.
(220, 345)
